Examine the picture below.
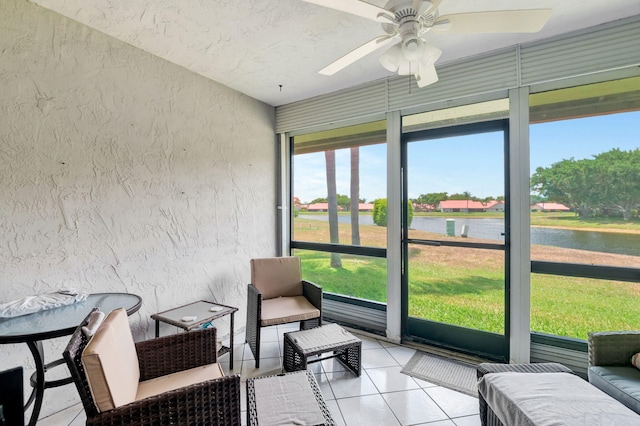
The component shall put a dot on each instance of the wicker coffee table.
(289, 398)
(300, 345)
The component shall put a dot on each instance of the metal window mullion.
(519, 232)
(394, 228)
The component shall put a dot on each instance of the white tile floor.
(380, 396)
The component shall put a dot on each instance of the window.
(338, 178)
(585, 196)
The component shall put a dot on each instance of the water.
(491, 229)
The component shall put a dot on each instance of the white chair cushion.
(277, 276)
(283, 310)
(110, 362)
(178, 380)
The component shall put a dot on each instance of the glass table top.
(63, 320)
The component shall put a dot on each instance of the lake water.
(491, 229)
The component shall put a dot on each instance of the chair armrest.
(313, 293)
(613, 347)
(214, 402)
(254, 307)
(176, 352)
(254, 298)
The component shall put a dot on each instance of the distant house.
(417, 207)
(465, 206)
(496, 207)
(365, 207)
(321, 207)
(318, 207)
(549, 207)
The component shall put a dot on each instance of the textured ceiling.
(254, 46)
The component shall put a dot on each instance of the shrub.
(379, 212)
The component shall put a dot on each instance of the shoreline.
(608, 230)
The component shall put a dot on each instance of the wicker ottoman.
(487, 416)
(291, 398)
(300, 345)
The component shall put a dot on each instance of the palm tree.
(332, 198)
(355, 196)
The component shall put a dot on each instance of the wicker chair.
(212, 402)
(278, 295)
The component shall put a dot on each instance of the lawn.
(465, 286)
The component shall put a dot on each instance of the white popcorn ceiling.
(271, 50)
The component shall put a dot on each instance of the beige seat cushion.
(277, 276)
(287, 309)
(110, 362)
(178, 380)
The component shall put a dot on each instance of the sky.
(471, 163)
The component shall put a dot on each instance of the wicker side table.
(300, 345)
(487, 416)
(289, 398)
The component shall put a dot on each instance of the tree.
(535, 199)
(608, 181)
(432, 198)
(343, 201)
(570, 182)
(330, 159)
(466, 195)
(617, 173)
(355, 196)
(379, 212)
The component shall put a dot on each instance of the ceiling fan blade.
(358, 8)
(426, 75)
(358, 53)
(501, 21)
(434, 5)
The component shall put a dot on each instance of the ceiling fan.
(406, 21)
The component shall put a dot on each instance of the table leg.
(38, 391)
(231, 344)
(157, 329)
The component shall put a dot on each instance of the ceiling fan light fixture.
(391, 59)
(430, 55)
(412, 48)
(407, 67)
(426, 75)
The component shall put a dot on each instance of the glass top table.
(198, 313)
(33, 328)
(63, 321)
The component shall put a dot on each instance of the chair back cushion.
(277, 276)
(110, 362)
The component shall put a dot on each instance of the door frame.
(451, 337)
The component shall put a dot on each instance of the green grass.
(362, 277)
(572, 221)
(466, 297)
(472, 295)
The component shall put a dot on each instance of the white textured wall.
(120, 171)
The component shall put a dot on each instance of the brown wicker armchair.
(210, 402)
(278, 295)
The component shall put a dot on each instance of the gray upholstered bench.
(543, 394)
